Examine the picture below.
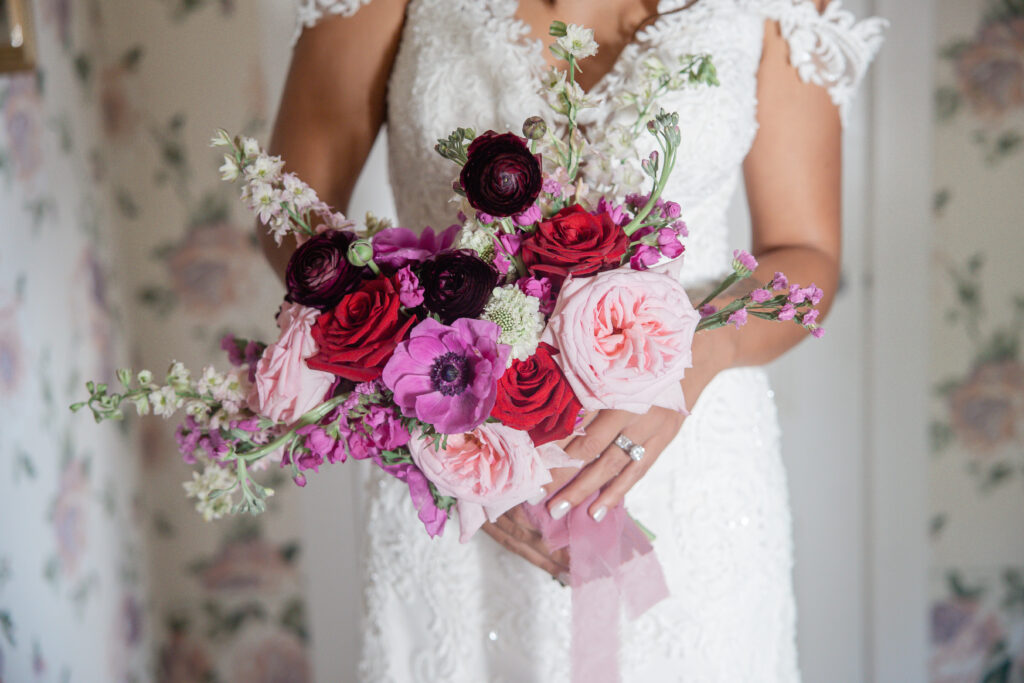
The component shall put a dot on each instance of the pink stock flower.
(528, 217)
(447, 376)
(644, 257)
(787, 312)
(508, 245)
(285, 387)
(739, 318)
(410, 294)
(539, 288)
(759, 296)
(810, 317)
(396, 247)
(669, 244)
(489, 471)
(618, 214)
(779, 282)
(708, 309)
(818, 332)
(552, 186)
(625, 339)
(743, 263)
(797, 295)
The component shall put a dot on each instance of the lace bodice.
(438, 610)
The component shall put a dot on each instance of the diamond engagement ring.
(634, 450)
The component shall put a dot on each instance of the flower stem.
(309, 418)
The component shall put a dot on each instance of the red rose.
(534, 395)
(574, 241)
(355, 339)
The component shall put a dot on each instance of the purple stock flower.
(707, 309)
(433, 518)
(787, 312)
(228, 343)
(644, 257)
(396, 247)
(410, 294)
(541, 289)
(508, 245)
(739, 318)
(818, 332)
(447, 376)
(681, 228)
(810, 317)
(669, 244)
(485, 218)
(552, 186)
(319, 273)
(759, 296)
(386, 429)
(743, 263)
(671, 210)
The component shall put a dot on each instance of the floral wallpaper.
(123, 248)
(977, 473)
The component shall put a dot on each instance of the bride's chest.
(471, 63)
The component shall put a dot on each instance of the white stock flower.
(519, 317)
(197, 410)
(229, 171)
(265, 201)
(301, 195)
(145, 378)
(209, 380)
(164, 401)
(578, 42)
(250, 147)
(203, 486)
(265, 167)
(141, 404)
(178, 376)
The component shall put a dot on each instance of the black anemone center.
(450, 374)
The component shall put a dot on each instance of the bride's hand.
(606, 466)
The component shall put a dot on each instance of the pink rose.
(488, 471)
(625, 338)
(285, 387)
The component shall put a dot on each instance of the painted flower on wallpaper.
(277, 658)
(210, 266)
(22, 114)
(251, 564)
(12, 352)
(990, 70)
(91, 309)
(964, 636)
(987, 409)
(71, 516)
(57, 13)
(184, 659)
(118, 115)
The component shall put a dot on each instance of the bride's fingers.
(527, 550)
(601, 431)
(598, 473)
(617, 489)
(520, 518)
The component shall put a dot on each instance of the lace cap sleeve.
(309, 12)
(830, 48)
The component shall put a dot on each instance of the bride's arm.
(333, 104)
(792, 177)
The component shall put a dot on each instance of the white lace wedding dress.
(439, 611)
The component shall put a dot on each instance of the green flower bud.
(534, 128)
(360, 253)
(558, 29)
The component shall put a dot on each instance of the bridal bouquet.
(456, 360)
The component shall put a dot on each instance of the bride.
(712, 486)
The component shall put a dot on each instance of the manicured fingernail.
(564, 579)
(599, 513)
(541, 495)
(560, 510)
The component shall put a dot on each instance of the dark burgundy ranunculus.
(457, 284)
(319, 273)
(501, 176)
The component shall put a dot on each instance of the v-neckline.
(534, 47)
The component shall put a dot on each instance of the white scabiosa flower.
(519, 317)
(478, 239)
(205, 487)
(578, 42)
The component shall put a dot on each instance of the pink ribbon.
(610, 562)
